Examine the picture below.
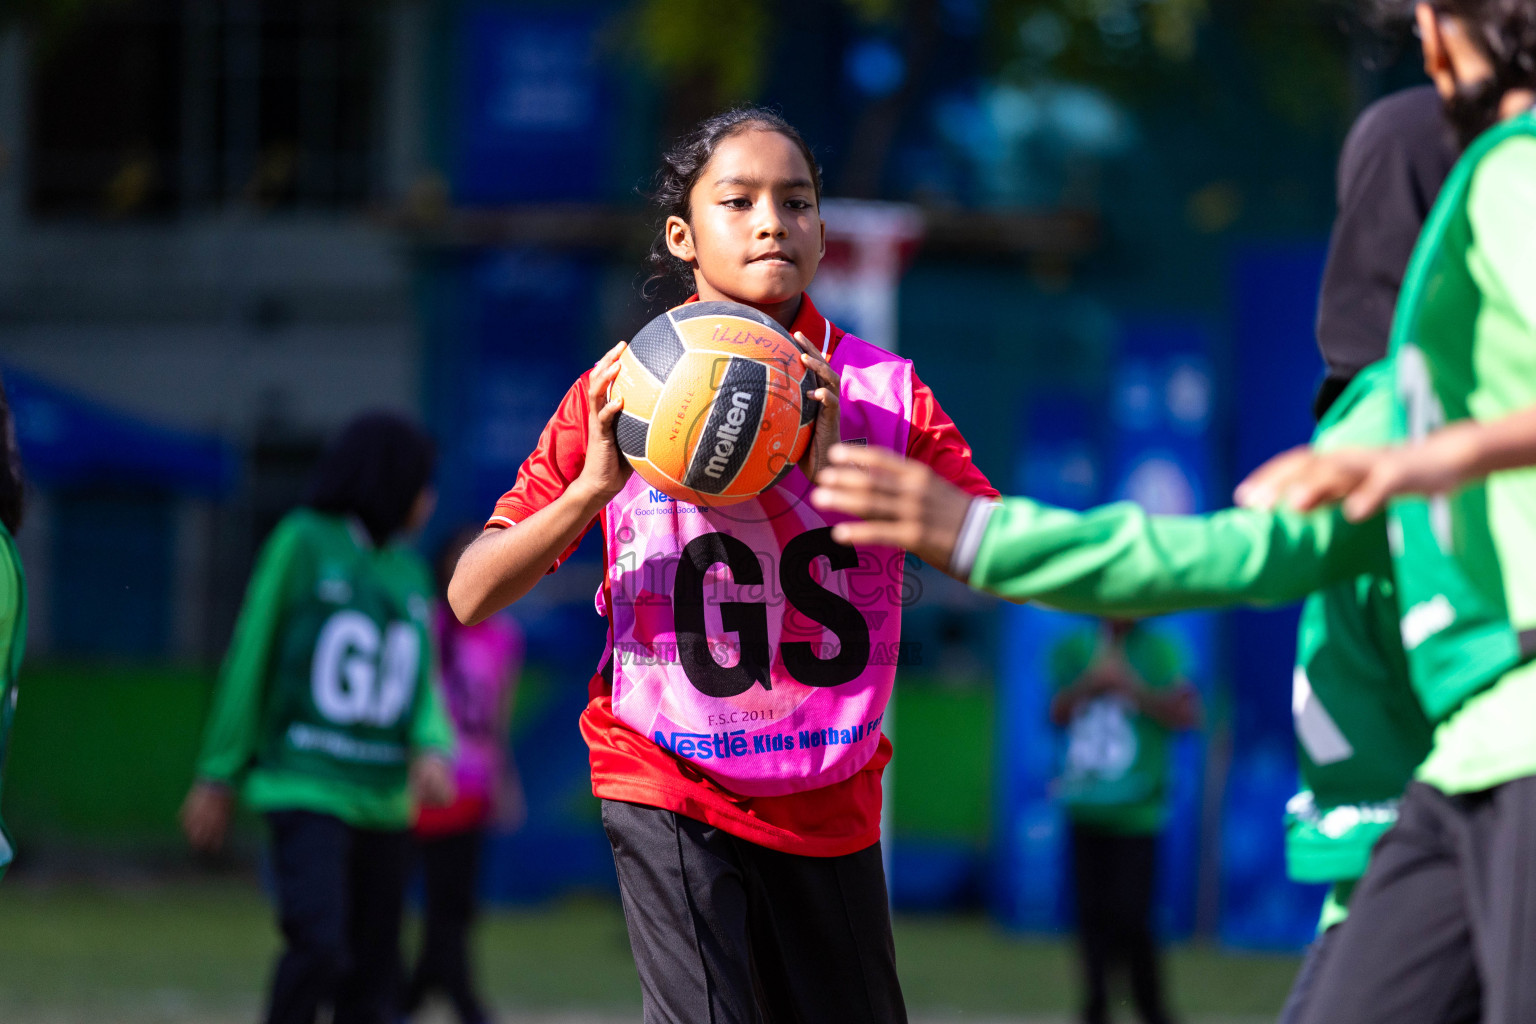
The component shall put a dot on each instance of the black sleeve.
(1394, 161)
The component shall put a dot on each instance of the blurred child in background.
(13, 593)
(325, 719)
(480, 666)
(1119, 693)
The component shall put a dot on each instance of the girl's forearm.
(1488, 447)
(503, 565)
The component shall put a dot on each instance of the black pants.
(1466, 1009)
(450, 867)
(728, 932)
(1447, 908)
(1115, 877)
(340, 891)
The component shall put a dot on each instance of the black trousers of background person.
(340, 895)
(450, 867)
(1115, 879)
(726, 931)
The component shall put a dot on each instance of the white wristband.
(968, 543)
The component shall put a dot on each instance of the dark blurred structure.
(230, 224)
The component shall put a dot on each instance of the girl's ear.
(1437, 64)
(823, 252)
(679, 238)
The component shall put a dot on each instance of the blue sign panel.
(1162, 405)
(1275, 298)
(1061, 466)
(534, 115)
(510, 330)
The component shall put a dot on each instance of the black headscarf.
(1394, 161)
(374, 470)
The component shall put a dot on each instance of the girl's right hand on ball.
(606, 470)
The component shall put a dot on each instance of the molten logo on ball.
(740, 403)
(717, 404)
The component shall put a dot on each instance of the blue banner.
(1277, 371)
(1157, 441)
(1162, 407)
(509, 332)
(534, 111)
(1061, 466)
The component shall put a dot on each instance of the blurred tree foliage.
(1146, 52)
(721, 49)
(708, 55)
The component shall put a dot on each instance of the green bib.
(14, 635)
(1455, 622)
(1115, 765)
(1360, 732)
(346, 673)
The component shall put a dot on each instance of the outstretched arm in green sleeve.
(1116, 559)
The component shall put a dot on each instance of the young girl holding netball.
(747, 849)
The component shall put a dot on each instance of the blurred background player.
(326, 720)
(738, 906)
(1120, 693)
(480, 665)
(13, 594)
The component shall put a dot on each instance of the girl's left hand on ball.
(828, 429)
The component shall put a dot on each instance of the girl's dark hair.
(684, 162)
(1506, 31)
(12, 489)
(374, 470)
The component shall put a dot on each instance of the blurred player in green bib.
(1119, 692)
(13, 595)
(326, 719)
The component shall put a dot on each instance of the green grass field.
(177, 953)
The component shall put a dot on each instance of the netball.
(717, 404)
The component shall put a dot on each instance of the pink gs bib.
(745, 640)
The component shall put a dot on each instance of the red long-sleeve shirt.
(825, 822)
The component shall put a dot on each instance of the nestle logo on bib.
(656, 497)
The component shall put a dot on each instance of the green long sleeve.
(230, 736)
(1119, 560)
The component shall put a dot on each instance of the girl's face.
(756, 235)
